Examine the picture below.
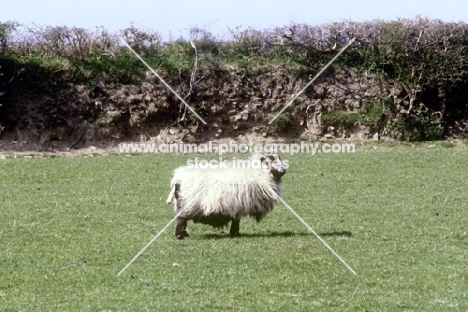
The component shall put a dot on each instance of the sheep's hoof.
(182, 235)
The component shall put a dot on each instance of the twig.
(77, 140)
(283, 294)
(193, 83)
(307, 113)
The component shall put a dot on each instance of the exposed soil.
(76, 119)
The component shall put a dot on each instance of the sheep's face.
(275, 165)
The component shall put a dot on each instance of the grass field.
(397, 213)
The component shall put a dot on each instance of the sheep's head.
(274, 165)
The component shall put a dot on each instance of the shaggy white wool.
(232, 192)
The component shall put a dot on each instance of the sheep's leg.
(235, 228)
(181, 228)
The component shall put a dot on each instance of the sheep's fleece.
(217, 196)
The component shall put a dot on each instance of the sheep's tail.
(171, 195)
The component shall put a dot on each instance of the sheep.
(217, 196)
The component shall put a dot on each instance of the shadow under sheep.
(224, 235)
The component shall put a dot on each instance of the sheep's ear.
(262, 159)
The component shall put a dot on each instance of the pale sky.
(175, 18)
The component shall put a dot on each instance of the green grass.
(397, 213)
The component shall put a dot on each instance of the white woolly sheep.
(217, 196)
